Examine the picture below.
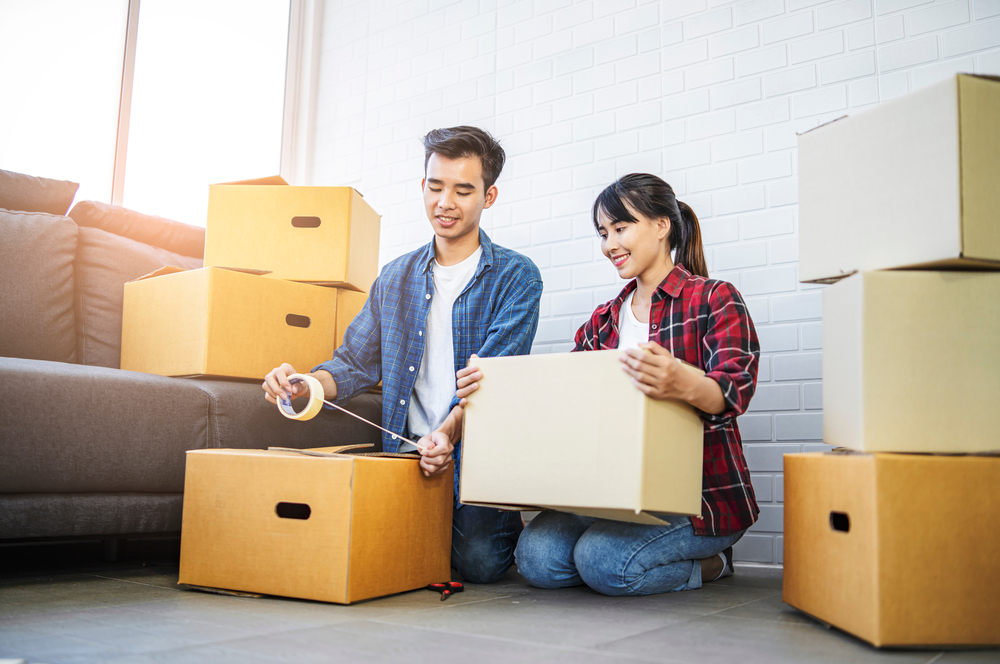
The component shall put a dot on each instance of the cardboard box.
(218, 322)
(321, 235)
(336, 528)
(571, 432)
(897, 549)
(911, 361)
(909, 182)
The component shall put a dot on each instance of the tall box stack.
(889, 538)
(286, 270)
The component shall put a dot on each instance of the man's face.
(455, 195)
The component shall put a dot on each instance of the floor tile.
(381, 642)
(715, 639)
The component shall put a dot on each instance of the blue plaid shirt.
(496, 314)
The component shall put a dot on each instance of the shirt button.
(402, 402)
(428, 296)
(654, 327)
(411, 368)
(420, 333)
(394, 436)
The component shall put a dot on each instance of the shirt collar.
(674, 283)
(426, 258)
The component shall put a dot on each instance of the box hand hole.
(293, 511)
(295, 320)
(306, 222)
(840, 521)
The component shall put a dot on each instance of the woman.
(667, 312)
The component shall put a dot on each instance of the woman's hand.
(467, 380)
(658, 374)
(436, 453)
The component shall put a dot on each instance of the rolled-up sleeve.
(730, 350)
(356, 365)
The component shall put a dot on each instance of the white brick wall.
(708, 94)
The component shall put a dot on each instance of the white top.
(435, 386)
(631, 330)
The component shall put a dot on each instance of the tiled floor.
(62, 603)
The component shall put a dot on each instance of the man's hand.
(276, 384)
(436, 455)
(658, 374)
(467, 380)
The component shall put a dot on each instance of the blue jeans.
(558, 550)
(483, 541)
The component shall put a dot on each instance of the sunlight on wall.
(207, 101)
(61, 78)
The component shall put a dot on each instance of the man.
(427, 313)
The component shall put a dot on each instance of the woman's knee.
(615, 561)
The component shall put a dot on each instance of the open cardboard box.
(320, 235)
(570, 432)
(911, 182)
(911, 361)
(322, 525)
(897, 549)
(231, 323)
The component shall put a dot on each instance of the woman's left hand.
(656, 372)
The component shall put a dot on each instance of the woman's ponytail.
(688, 247)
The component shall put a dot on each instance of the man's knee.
(483, 543)
(478, 561)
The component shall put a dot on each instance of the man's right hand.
(276, 384)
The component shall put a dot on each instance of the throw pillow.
(173, 236)
(33, 194)
(36, 286)
(104, 262)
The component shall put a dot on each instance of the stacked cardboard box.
(286, 270)
(890, 538)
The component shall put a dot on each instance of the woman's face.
(634, 247)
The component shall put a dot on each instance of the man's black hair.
(464, 141)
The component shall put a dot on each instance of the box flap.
(171, 269)
(166, 269)
(799, 133)
(270, 180)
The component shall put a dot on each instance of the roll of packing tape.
(315, 404)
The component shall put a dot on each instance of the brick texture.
(705, 93)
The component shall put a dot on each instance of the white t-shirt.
(631, 331)
(435, 386)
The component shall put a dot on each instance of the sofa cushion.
(36, 299)
(70, 428)
(173, 236)
(34, 194)
(104, 262)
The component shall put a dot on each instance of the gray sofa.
(87, 449)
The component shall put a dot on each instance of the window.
(62, 79)
(207, 101)
(207, 96)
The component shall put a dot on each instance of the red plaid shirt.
(705, 323)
